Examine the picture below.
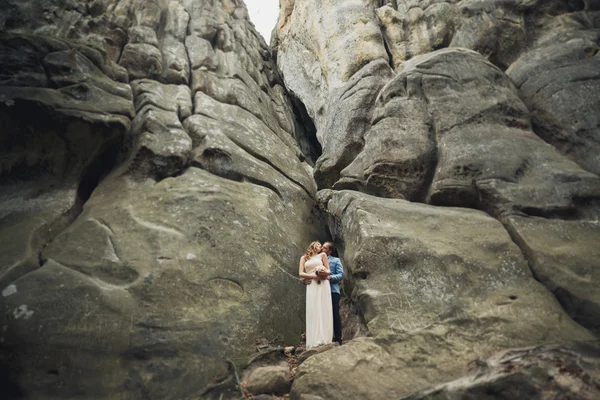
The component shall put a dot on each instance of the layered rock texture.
(154, 198)
(160, 178)
(426, 106)
(549, 372)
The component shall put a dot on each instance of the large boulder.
(64, 114)
(154, 206)
(273, 379)
(187, 293)
(545, 372)
(438, 288)
(559, 80)
(450, 129)
(487, 155)
(548, 48)
(563, 255)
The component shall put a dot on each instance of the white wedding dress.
(319, 313)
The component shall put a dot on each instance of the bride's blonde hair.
(311, 250)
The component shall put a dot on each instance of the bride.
(319, 314)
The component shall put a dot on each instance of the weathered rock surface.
(270, 380)
(559, 81)
(156, 191)
(305, 355)
(438, 288)
(152, 202)
(487, 155)
(553, 45)
(564, 256)
(552, 372)
(450, 129)
(406, 111)
(62, 115)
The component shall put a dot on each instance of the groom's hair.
(331, 247)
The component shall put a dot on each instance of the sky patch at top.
(263, 14)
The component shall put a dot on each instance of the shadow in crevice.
(98, 169)
(9, 389)
(353, 325)
(306, 132)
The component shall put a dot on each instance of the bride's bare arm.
(303, 274)
(325, 262)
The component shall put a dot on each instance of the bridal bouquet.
(321, 274)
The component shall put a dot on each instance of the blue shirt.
(337, 273)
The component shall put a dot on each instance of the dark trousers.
(337, 320)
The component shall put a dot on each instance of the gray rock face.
(550, 372)
(559, 82)
(61, 114)
(539, 38)
(268, 373)
(488, 157)
(438, 289)
(154, 198)
(475, 104)
(563, 256)
(453, 109)
(157, 190)
(270, 379)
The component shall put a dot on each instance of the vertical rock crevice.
(559, 256)
(306, 132)
(93, 174)
(98, 169)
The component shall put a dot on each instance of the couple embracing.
(322, 275)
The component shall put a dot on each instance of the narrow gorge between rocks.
(163, 169)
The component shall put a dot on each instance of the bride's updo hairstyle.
(312, 250)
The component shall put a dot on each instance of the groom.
(337, 274)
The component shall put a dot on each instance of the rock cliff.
(154, 197)
(425, 106)
(163, 169)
